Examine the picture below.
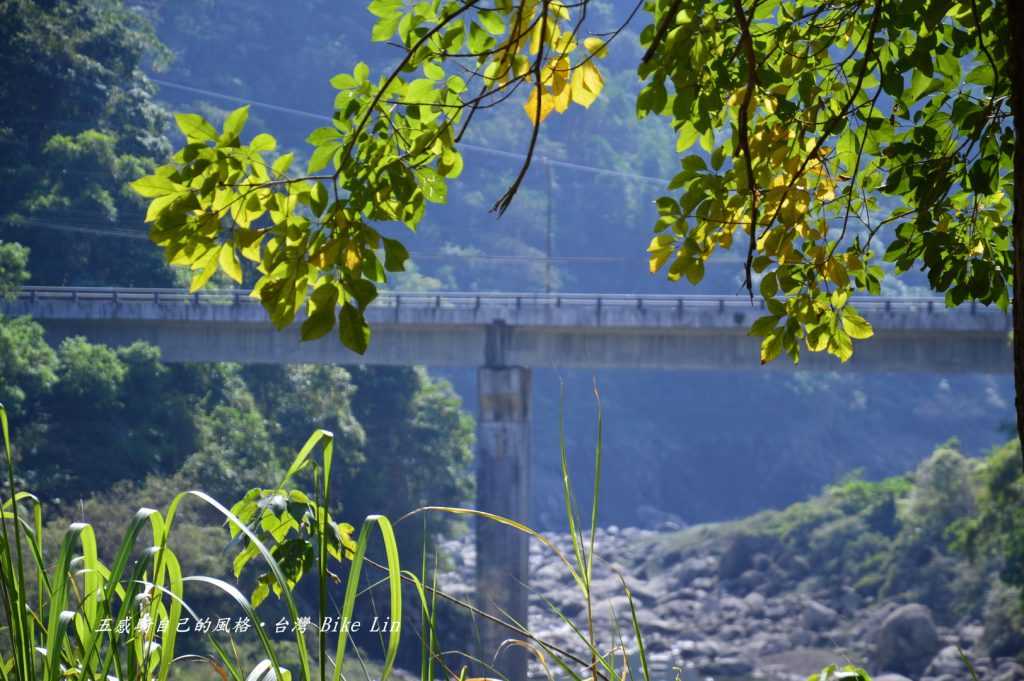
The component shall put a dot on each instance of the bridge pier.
(503, 488)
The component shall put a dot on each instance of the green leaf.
(318, 198)
(263, 142)
(856, 326)
(841, 345)
(763, 326)
(235, 121)
(353, 329)
(432, 71)
(322, 136)
(395, 255)
(385, 28)
(195, 128)
(208, 263)
(321, 318)
(343, 81)
(687, 136)
(384, 8)
(282, 164)
(363, 291)
(152, 186)
(420, 91)
(434, 187)
(321, 157)
(492, 22)
(160, 204)
(228, 260)
(771, 346)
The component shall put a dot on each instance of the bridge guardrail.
(459, 299)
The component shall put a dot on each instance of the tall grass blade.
(352, 588)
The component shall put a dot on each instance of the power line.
(465, 145)
(127, 233)
(491, 257)
(131, 234)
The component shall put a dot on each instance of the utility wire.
(131, 234)
(494, 257)
(465, 145)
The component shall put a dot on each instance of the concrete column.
(503, 488)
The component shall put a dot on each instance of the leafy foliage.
(824, 127)
(390, 151)
(995, 535)
(78, 123)
(13, 269)
(825, 131)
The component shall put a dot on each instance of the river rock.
(727, 666)
(947, 662)
(755, 603)
(907, 641)
(818, 617)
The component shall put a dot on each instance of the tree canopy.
(820, 140)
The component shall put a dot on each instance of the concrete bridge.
(503, 335)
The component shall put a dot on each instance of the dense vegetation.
(947, 535)
(78, 122)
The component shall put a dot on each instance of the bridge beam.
(502, 488)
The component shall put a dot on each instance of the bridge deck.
(526, 329)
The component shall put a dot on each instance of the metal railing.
(462, 300)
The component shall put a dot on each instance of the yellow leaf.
(560, 85)
(794, 208)
(535, 36)
(326, 256)
(352, 258)
(592, 79)
(826, 190)
(736, 98)
(546, 105)
(560, 10)
(660, 248)
(596, 46)
(562, 96)
(580, 94)
(836, 273)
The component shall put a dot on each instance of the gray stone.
(947, 662)
(1010, 672)
(818, 617)
(890, 677)
(755, 603)
(752, 579)
(728, 666)
(907, 641)
(692, 568)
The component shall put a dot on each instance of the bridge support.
(503, 488)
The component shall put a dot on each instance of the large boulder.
(907, 641)
(817, 617)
